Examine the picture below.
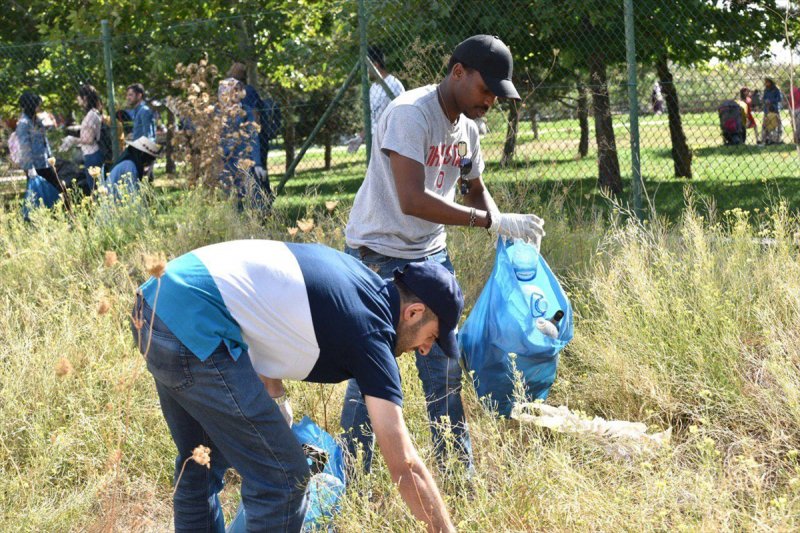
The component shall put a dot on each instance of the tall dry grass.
(694, 326)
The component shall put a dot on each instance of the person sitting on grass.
(131, 164)
(219, 338)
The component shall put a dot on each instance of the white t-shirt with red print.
(415, 126)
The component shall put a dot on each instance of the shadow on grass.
(668, 196)
(737, 150)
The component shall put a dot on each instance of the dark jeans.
(440, 376)
(222, 404)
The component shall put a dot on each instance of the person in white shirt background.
(378, 99)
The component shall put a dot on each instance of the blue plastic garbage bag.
(325, 489)
(39, 192)
(501, 323)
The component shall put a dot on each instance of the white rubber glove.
(260, 172)
(286, 408)
(354, 143)
(32, 173)
(516, 226)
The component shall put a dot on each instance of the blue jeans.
(440, 376)
(91, 160)
(221, 403)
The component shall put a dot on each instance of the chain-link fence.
(573, 123)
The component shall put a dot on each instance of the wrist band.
(488, 220)
(473, 214)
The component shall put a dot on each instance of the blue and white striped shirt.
(301, 311)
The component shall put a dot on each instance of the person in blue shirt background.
(268, 115)
(43, 185)
(219, 339)
(144, 123)
(131, 164)
(772, 95)
(239, 143)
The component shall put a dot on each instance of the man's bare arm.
(415, 200)
(413, 479)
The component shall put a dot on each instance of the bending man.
(224, 316)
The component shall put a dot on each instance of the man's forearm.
(418, 489)
(434, 208)
(274, 386)
(479, 197)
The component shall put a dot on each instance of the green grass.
(690, 323)
(747, 176)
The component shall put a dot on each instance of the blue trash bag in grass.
(327, 483)
(504, 322)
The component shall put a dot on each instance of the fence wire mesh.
(694, 59)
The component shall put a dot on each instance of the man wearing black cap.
(214, 324)
(424, 144)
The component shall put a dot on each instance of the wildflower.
(293, 231)
(202, 456)
(103, 306)
(64, 367)
(111, 259)
(305, 224)
(51, 161)
(194, 88)
(94, 172)
(155, 265)
(102, 189)
(331, 205)
(556, 51)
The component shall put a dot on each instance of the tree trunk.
(328, 150)
(289, 134)
(169, 150)
(583, 120)
(681, 154)
(607, 160)
(511, 134)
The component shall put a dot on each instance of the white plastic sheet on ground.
(619, 438)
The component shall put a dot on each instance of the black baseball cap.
(437, 288)
(491, 57)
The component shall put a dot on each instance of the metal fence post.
(110, 86)
(633, 104)
(362, 31)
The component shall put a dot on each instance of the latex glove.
(67, 143)
(32, 173)
(285, 407)
(516, 226)
(260, 172)
(354, 143)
